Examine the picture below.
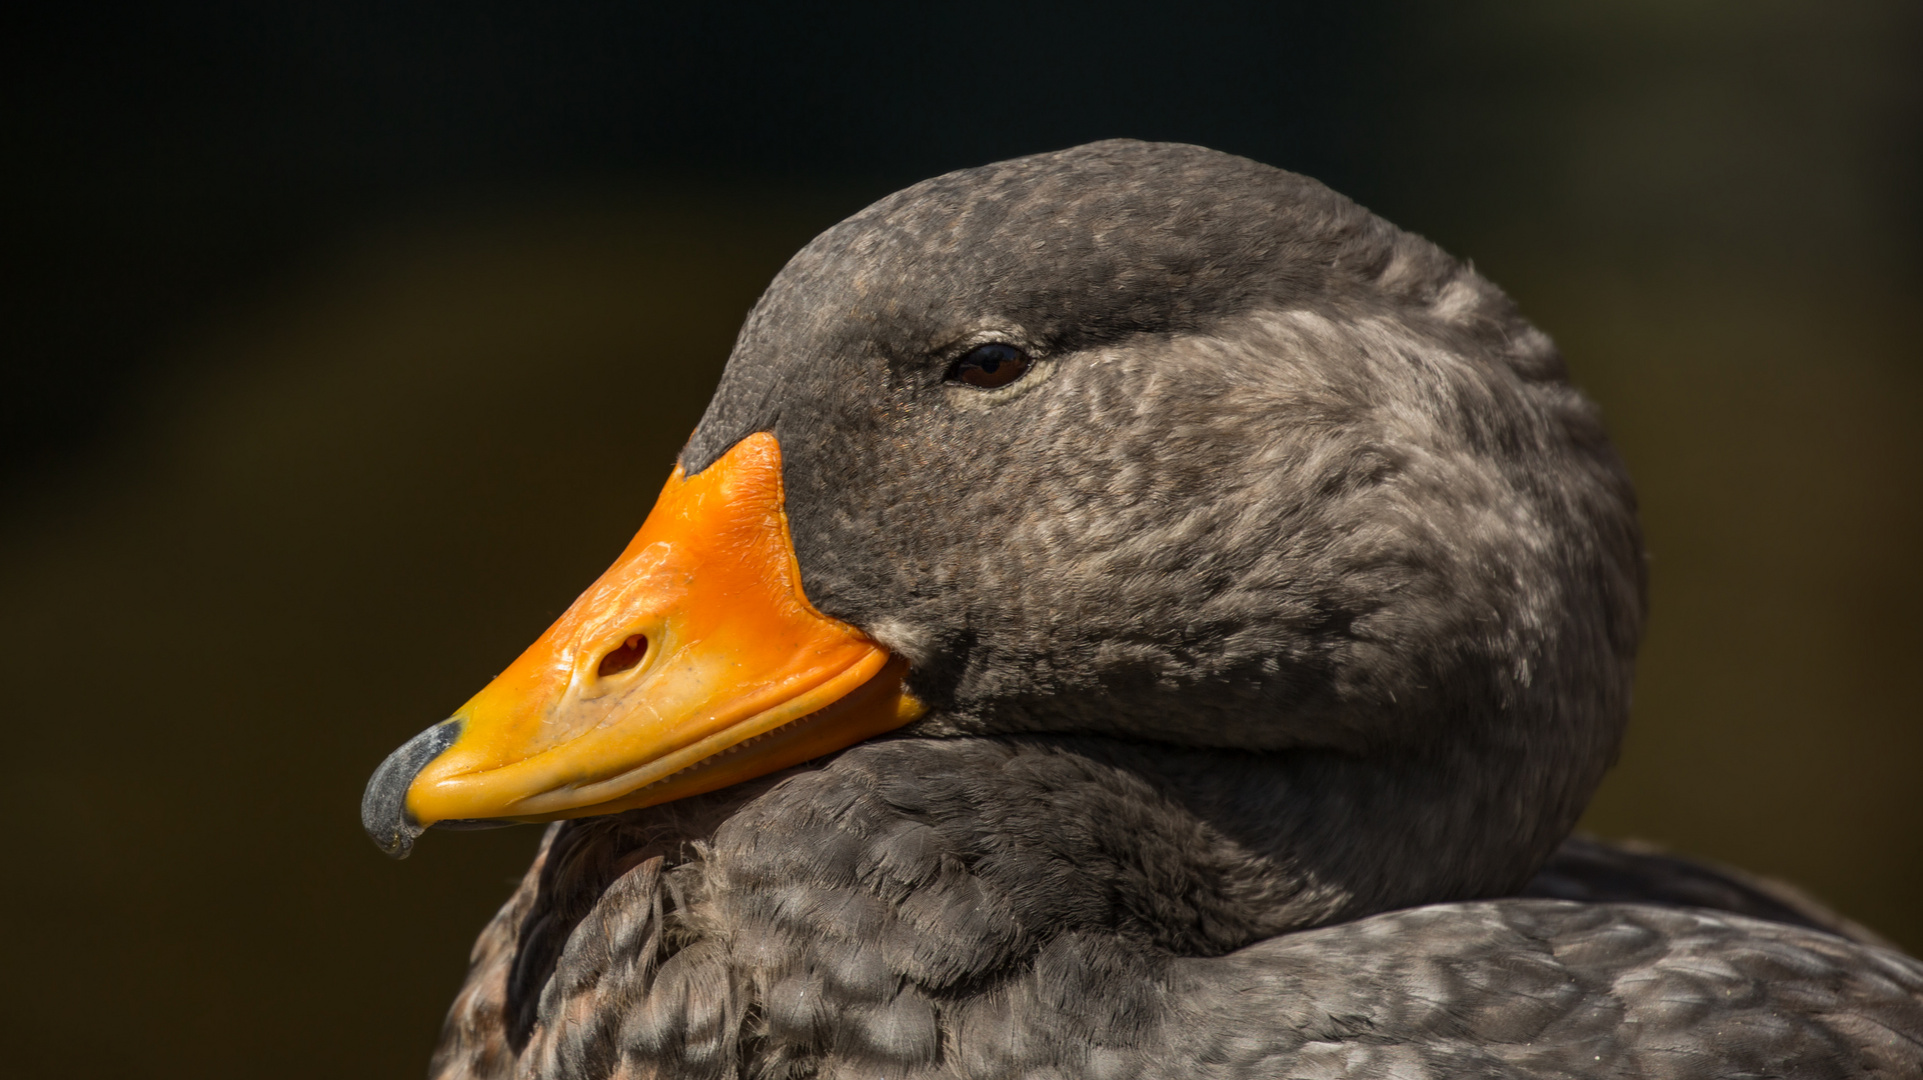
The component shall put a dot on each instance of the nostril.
(628, 654)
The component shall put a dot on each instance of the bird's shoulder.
(1532, 987)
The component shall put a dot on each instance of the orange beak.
(694, 662)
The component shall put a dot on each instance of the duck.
(1127, 611)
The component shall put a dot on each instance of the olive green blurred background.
(327, 390)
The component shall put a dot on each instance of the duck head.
(1140, 440)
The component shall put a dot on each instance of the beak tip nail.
(384, 812)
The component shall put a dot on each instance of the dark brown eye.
(991, 365)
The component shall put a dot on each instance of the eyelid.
(967, 343)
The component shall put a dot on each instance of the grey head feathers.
(1282, 476)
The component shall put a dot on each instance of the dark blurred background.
(344, 345)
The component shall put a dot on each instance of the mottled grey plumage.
(884, 915)
(1293, 585)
